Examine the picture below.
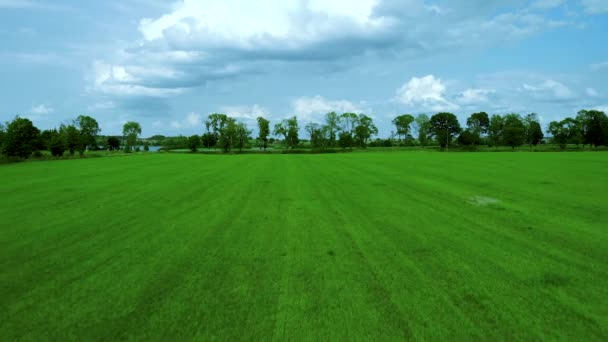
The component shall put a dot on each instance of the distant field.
(376, 246)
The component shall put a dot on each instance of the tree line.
(20, 138)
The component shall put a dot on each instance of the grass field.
(402, 245)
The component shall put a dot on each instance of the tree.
(280, 129)
(402, 123)
(56, 143)
(20, 138)
(560, 133)
(113, 143)
(45, 139)
(468, 138)
(227, 134)
(2, 135)
(331, 122)
(263, 132)
(345, 140)
(131, 130)
(536, 133)
(89, 129)
(292, 132)
(444, 126)
(495, 129)
(364, 130)
(594, 127)
(478, 124)
(315, 131)
(71, 136)
(208, 140)
(514, 132)
(348, 122)
(194, 142)
(242, 135)
(421, 125)
(146, 147)
(533, 131)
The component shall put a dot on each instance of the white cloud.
(246, 112)
(192, 120)
(313, 108)
(198, 41)
(475, 96)
(246, 24)
(425, 92)
(595, 6)
(549, 88)
(592, 92)
(41, 109)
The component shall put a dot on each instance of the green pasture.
(356, 246)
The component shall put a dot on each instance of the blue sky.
(168, 64)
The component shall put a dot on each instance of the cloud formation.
(199, 41)
(41, 109)
(314, 108)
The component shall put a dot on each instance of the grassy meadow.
(374, 246)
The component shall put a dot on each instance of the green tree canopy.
(20, 138)
(402, 124)
(131, 130)
(444, 126)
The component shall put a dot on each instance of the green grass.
(376, 246)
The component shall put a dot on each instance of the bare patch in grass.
(483, 201)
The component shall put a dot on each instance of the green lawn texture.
(374, 246)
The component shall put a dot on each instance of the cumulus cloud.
(425, 93)
(249, 113)
(474, 96)
(41, 110)
(550, 88)
(199, 41)
(313, 108)
(192, 120)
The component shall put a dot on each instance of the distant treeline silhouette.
(19, 139)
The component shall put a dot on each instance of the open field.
(399, 245)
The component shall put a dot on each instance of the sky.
(169, 64)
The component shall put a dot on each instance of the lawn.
(376, 246)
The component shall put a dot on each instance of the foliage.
(113, 143)
(20, 138)
(594, 127)
(422, 125)
(444, 126)
(332, 128)
(514, 132)
(402, 124)
(194, 142)
(496, 129)
(57, 144)
(364, 130)
(345, 140)
(263, 132)
(131, 130)
(89, 129)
